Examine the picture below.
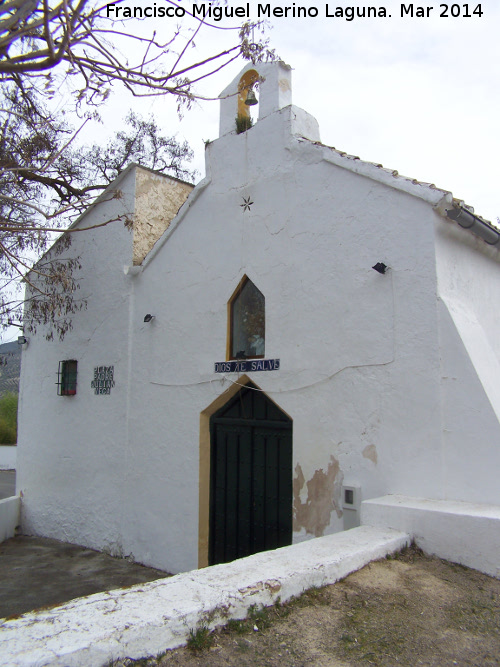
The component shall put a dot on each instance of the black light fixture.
(148, 317)
(251, 99)
(22, 340)
(380, 267)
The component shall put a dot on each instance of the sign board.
(103, 380)
(247, 365)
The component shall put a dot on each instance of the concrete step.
(465, 533)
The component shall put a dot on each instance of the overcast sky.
(418, 95)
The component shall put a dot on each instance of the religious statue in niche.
(103, 380)
(247, 322)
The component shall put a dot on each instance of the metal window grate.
(66, 378)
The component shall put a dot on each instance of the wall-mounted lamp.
(251, 99)
(148, 317)
(380, 267)
(22, 340)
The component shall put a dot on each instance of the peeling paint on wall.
(323, 497)
(370, 452)
(157, 201)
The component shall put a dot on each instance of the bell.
(251, 99)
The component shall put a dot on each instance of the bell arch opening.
(248, 105)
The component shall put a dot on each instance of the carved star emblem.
(246, 204)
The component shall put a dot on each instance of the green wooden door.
(251, 477)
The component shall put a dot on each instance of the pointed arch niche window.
(246, 322)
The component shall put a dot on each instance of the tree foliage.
(68, 55)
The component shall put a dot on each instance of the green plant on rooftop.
(243, 123)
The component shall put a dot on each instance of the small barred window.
(66, 378)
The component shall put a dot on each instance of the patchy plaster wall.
(157, 201)
(370, 452)
(324, 491)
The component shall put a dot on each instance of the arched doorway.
(250, 477)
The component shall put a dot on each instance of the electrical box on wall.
(351, 505)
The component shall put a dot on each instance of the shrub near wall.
(8, 419)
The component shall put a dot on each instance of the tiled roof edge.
(443, 201)
(377, 172)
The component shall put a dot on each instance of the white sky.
(418, 95)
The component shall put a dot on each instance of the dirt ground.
(408, 610)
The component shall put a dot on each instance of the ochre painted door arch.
(251, 477)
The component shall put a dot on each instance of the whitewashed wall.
(359, 351)
(72, 451)
(362, 354)
(469, 287)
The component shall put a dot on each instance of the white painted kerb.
(150, 618)
(466, 533)
(10, 509)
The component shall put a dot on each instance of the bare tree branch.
(37, 37)
(80, 47)
(44, 182)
